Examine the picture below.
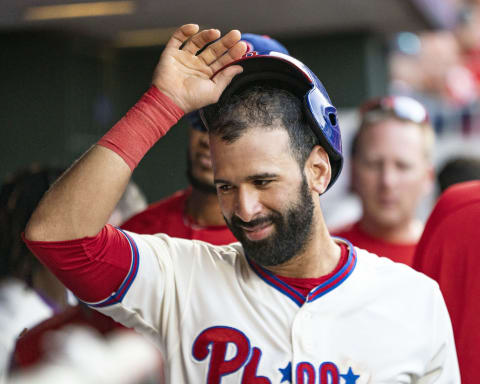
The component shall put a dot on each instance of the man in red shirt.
(447, 252)
(194, 213)
(391, 173)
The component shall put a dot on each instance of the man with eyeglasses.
(194, 213)
(391, 171)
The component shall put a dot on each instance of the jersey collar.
(319, 291)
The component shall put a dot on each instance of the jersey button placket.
(302, 332)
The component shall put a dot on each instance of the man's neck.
(403, 233)
(319, 258)
(204, 209)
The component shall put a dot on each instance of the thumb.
(223, 78)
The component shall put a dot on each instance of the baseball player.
(194, 213)
(448, 253)
(287, 303)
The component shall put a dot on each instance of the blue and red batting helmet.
(283, 71)
(254, 43)
(262, 43)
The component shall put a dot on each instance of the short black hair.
(458, 170)
(264, 107)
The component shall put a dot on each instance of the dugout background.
(60, 92)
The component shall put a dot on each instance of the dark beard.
(292, 232)
(196, 183)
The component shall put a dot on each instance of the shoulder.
(457, 197)
(454, 216)
(447, 237)
(184, 250)
(385, 275)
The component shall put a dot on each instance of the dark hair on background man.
(264, 107)
(19, 196)
(458, 170)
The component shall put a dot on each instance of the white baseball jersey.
(221, 319)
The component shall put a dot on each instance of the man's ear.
(318, 170)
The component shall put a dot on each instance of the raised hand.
(187, 78)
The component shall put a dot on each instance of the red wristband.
(143, 125)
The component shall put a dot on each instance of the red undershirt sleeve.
(93, 268)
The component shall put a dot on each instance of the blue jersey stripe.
(339, 277)
(118, 296)
(276, 283)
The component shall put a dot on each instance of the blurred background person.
(133, 201)
(29, 292)
(391, 171)
(430, 67)
(194, 213)
(448, 253)
(32, 346)
(467, 32)
(80, 355)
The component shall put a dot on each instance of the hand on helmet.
(186, 77)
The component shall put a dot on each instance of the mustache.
(237, 222)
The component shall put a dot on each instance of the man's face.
(264, 197)
(390, 172)
(200, 172)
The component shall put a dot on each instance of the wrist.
(164, 100)
(143, 125)
(169, 97)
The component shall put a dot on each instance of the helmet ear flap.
(321, 132)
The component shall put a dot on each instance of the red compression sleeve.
(93, 267)
(146, 122)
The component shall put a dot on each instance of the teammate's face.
(200, 172)
(391, 173)
(264, 197)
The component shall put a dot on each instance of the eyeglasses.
(403, 107)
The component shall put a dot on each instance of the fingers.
(181, 35)
(198, 41)
(234, 53)
(216, 55)
(218, 48)
(223, 78)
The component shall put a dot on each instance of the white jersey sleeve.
(157, 284)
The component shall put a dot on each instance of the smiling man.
(194, 213)
(288, 303)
